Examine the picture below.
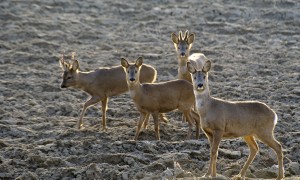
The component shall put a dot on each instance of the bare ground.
(254, 47)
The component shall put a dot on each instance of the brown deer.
(222, 119)
(100, 84)
(183, 45)
(155, 98)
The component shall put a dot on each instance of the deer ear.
(64, 66)
(124, 62)
(206, 66)
(190, 67)
(139, 61)
(75, 65)
(174, 38)
(67, 66)
(191, 38)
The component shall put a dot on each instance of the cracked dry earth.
(254, 47)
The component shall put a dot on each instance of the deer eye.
(127, 71)
(135, 71)
(69, 77)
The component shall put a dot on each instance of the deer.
(183, 45)
(100, 84)
(221, 119)
(155, 98)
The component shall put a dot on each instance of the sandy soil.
(254, 47)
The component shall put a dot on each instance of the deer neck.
(182, 69)
(203, 100)
(135, 90)
(83, 80)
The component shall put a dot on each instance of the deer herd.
(218, 119)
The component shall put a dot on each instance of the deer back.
(112, 81)
(166, 96)
(239, 118)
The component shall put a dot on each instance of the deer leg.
(253, 151)
(140, 123)
(216, 139)
(91, 101)
(210, 140)
(187, 115)
(104, 108)
(156, 125)
(276, 146)
(163, 118)
(196, 118)
(183, 119)
(145, 124)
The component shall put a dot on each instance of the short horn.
(180, 36)
(186, 35)
(73, 55)
(62, 57)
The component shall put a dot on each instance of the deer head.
(200, 77)
(183, 44)
(70, 71)
(132, 70)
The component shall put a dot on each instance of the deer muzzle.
(200, 87)
(63, 86)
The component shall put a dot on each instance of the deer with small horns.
(155, 98)
(183, 45)
(222, 119)
(100, 84)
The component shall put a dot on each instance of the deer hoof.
(80, 126)
(206, 175)
(238, 177)
(104, 129)
(279, 178)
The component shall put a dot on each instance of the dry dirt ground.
(254, 47)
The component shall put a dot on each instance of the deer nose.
(63, 86)
(182, 54)
(200, 85)
(132, 79)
